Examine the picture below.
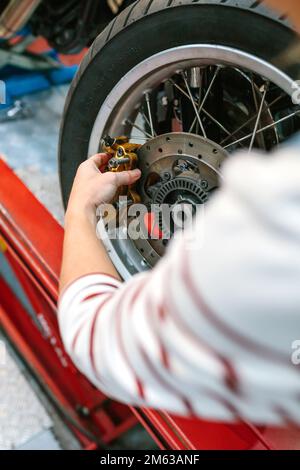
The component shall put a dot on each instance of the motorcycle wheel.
(149, 74)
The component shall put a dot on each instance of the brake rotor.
(177, 168)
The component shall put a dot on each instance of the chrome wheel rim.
(126, 97)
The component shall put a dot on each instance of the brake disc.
(177, 168)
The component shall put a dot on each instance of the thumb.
(100, 159)
(125, 178)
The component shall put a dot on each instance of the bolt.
(123, 160)
(204, 184)
(183, 167)
(166, 175)
(120, 152)
(112, 163)
(108, 141)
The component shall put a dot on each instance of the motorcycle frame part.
(71, 25)
(27, 61)
(15, 16)
(115, 5)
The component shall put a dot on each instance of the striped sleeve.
(209, 331)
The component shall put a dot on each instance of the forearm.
(83, 252)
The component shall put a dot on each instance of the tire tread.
(142, 8)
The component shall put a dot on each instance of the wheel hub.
(180, 192)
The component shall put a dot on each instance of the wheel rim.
(119, 110)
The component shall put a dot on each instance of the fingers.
(125, 178)
(100, 159)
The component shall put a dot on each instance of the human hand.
(91, 187)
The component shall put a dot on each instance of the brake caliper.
(123, 157)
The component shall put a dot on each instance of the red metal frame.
(33, 247)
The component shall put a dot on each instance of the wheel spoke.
(201, 104)
(200, 89)
(250, 120)
(255, 89)
(246, 137)
(216, 121)
(139, 128)
(150, 114)
(203, 109)
(194, 104)
(138, 137)
(264, 89)
(180, 88)
(146, 119)
(198, 106)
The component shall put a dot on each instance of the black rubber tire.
(145, 28)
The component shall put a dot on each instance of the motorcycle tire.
(148, 27)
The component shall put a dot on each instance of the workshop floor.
(27, 420)
(30, 146)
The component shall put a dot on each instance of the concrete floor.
(27, 419)
(30, 146)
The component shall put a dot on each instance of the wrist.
(80, 211)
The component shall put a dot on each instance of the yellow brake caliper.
(123, 157)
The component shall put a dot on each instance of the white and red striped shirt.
(209, 331)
